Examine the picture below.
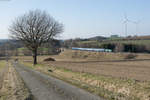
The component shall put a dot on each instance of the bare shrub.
(130, 56)
(49, 59)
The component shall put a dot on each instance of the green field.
(41, 48)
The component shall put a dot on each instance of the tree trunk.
(35, 57)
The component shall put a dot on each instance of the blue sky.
(83, 18)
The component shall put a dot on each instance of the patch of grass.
(44, 49)
(20, 49)
(2, 64)
(31, 65)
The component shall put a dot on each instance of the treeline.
(115, 47)
(16, 48)
(127, 47)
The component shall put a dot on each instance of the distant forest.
(129, 44)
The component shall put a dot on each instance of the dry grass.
(2, 70)
(105, 74)
(12, 86)
(138, 70)
(80, 55)
(110, 88)
(2, 64)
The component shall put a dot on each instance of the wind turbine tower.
(136, 27)
(126, 20)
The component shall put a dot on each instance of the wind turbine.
(126, 24)
(136, 26)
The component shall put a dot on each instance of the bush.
(49, 59)
(130, 56)
(109, 46)
(136, 48)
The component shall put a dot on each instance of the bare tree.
(35, 28)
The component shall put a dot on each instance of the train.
(92, 49)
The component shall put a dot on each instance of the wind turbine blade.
(124, 22)
(136, 22)
(125, 16)
(130, 21)
(139, 21)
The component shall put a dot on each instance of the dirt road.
(44, 87)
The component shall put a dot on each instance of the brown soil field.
(107, 64)
(139, 70)
(97, 56)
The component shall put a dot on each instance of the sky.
(83, 18)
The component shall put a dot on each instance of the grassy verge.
(12, 87)
(2, 64)
(108, 87)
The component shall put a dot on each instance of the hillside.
(97, 38)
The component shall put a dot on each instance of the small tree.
(35, 28)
